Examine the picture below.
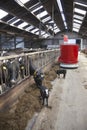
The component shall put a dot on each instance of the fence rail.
(39, 59)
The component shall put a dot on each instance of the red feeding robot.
(68, 54)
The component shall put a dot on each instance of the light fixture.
(61, 11)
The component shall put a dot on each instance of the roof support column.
(15, 42)
(53, 16)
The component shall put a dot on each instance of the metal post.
(0, 42)
(15, 42)
(53, 17)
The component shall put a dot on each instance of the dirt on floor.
(29, 103)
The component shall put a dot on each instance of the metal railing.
(40, 60)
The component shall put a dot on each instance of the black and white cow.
(22, 66)
(38, 78)
(61, 71)
(32, 67)
(37, 74)
(14, 71)
(44, 94)
(4, 76)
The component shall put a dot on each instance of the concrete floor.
(68, 100)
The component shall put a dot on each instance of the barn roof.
(43, 18)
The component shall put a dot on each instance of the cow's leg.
(64, 75)
(58, 75)
(43, 101)
(1, 89)
(46, 101)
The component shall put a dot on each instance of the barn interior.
(32, 35)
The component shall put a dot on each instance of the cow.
(4, 76)
(22, 67)
(37, 74)
(14, 71)
(44, 94)
(32, 67)
(61, 71)
(38, 77)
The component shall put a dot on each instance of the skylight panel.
(24, 1)
(36, 29)
(76, 24)
(29, 28)
(15, 21)
(46, 19)
(37, 9)
(37, 33)
(75, 29)
(3, 13)
(52, 22)
(42, 14)
(80, 11)
(78, 17)
(45, 35)
(55, 27)
(85, 5)
(22, 25)
(11, 20)
(77, 21)
(56, 30)
(42, 32)
(21, 2)
(34, 6)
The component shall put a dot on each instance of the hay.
(28, 104)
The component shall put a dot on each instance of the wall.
(84, 43)
(57, 40)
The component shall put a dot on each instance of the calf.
(38, 78)
(61, 71)
(32, 67)
(44, 94)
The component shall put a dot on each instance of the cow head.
(14, 71)
(22, 66)
(46, 93)
(38, 77)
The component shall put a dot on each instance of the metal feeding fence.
(17, 66)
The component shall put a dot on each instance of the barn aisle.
(68, 100)
(72, 113)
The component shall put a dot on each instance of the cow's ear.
(35, 73)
